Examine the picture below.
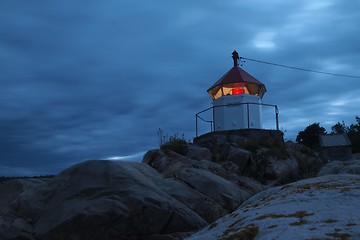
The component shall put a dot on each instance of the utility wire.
(301, 69)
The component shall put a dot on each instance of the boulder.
(198, 153)
(309, 162)
(282, 170)
(107, 200)
(20, 207)
(169, 163)
(340, 167)
(166, 162)
(352, 169)
(316, 208)
(208, 178)
(175, 191)
(261, 155)
(240, 157)
(224, 192)
(103, 200)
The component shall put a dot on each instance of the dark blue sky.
(94, 80)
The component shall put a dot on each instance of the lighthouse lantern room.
(237, 99)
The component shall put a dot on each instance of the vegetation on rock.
(176, 145)
(173, 143)
(310, 135)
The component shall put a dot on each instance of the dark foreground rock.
(101, 200)
(118, 200)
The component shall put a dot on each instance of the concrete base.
(262, 137)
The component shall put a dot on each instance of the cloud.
(265, 40)
(86, 80)
(137, 157)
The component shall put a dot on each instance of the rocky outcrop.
(103, 200)
(316, 208)
(206, 177)
(20, 207)
(341, 167)
(121, 200)
(261, 155)
(175, 191)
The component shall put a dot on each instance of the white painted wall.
(235, 115)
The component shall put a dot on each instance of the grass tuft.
(247, 233)
(330, 220)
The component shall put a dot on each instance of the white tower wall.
(235, 114)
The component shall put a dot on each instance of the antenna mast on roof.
(235, 56)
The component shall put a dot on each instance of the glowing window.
(236, 91)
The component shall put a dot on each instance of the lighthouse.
(237, 100)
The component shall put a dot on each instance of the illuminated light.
(236, 91)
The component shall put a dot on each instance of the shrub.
(176, 145)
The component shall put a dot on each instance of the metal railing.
(212, 122)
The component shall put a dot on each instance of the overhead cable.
(297, 68)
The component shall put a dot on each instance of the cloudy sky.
(97, 79)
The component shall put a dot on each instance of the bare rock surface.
(261, 155)
(341, 167)
(198, 153)
(20, 207)
(101, 200)
(316, 208)
(175, 191)
(209, 178)
(225, 193)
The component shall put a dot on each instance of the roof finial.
(235, 56)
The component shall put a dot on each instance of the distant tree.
(355, 128)
(354, 135)
(339, 127)
(310, 135)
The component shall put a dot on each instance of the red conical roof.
(234, 78)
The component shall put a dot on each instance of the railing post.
(277, 117)
(248, 115)
(196, 128)
(213, 123)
